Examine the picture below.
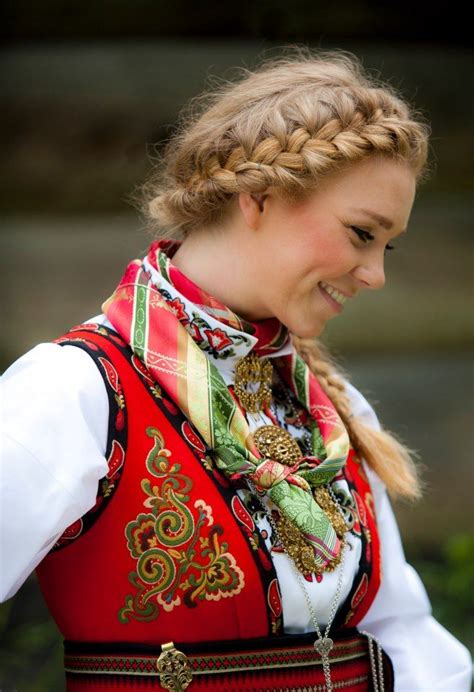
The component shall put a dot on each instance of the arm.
(53, 438)
(425, 655)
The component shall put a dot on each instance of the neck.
(219, 263)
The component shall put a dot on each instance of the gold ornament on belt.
(174, 669)
(276, 443)
(252, 369)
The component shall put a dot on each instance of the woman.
(209, 494)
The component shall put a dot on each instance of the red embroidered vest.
(170, 552)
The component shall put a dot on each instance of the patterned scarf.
(143, 313)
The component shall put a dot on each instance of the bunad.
(173, 579)
(170, 552)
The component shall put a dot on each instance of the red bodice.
(169, 552)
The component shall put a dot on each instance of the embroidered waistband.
(176, 665)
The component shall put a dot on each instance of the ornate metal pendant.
(174, 669)
(325, 501)
(277, 443)
(252, 369)
(323, 646)
(301, 551)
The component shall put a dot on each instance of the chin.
(303, 333)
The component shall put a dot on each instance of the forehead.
(377, 170)
(384, 187)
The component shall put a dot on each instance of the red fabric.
(355, 676)
(87, 582)
(367, 588)
(293, 665)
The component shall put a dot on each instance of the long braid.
(388, 457)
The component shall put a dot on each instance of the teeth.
(334, 293)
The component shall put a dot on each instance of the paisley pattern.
(180, 555)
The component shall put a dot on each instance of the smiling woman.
(197, 451)
(276, 258)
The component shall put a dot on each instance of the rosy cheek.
(328, 252)
(317, 239)
(325, 257)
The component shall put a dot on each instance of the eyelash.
(366, 236)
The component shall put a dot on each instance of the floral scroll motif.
(179, 552)
(213, 340)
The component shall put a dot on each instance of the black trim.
(117, 427)
(221, 646)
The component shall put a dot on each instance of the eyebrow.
(381, 220)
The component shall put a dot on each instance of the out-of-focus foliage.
(31, 650)
(449, 580)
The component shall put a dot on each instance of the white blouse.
(54, 426)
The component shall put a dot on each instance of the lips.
(338, 307)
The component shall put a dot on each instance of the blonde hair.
(287, 125)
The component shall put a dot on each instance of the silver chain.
(322, 641)
(377, 675)
(325, 638)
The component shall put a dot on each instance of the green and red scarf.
(143, 313)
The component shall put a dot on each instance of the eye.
(388, 247)
(363, 235)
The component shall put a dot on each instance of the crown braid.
(300, 157)
(286, 125)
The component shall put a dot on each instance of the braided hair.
(287, 125)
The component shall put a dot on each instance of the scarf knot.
(269, 473)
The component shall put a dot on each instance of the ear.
(252, 207)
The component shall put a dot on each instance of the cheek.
(324, 258)
(318, 244)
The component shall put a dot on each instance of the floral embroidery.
(248, 524)
(275, 605)
(215, 341)
(179, 552)
(244, 517)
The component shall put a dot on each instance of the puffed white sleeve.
(424, 654)
(53, 436)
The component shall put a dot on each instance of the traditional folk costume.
(234, 541)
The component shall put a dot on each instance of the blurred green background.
(88, 92)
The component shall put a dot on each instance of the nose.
(371, 271)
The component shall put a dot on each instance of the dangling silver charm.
(323, 646)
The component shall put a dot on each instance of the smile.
(333, 292)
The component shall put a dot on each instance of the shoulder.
(54, 371)
(53, 437)
(49, 368)
(53, 385)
